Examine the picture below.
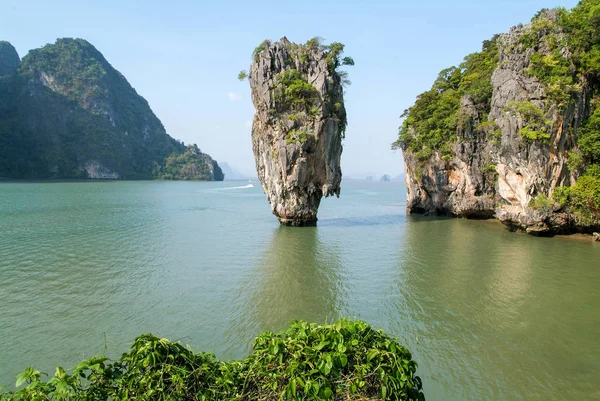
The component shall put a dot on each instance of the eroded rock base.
(298, 223)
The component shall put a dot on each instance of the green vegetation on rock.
(67, 113)
(192, 164)
(300, 136)
(293, 92)
(293, 95)
(583, 198)
(536, 127)
(346, 360)
(431, 124)
(556, 121)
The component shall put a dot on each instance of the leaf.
(20, 380)
(372, 354)
(293, 384)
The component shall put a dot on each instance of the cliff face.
(67, 113)
(298, 126)
(512, 153)
(9, 59)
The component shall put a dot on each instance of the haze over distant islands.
(232, 173)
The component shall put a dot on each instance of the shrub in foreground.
(347, 360)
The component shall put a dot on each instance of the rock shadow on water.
(298, 277)
(388, 219)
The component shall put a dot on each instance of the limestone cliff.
(504, 136)
(65, 112)
(298, 126)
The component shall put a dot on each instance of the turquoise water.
(488, 314)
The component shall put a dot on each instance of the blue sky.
(184, 56)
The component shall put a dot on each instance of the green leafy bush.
(583, 198)
(542, 203)
(585, 194)
(347, 360)
(293, 92)
(575, 160)
(581, 26)
(589, 138)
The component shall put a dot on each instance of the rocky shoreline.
(511, 151)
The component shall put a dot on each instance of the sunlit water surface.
(488, 314)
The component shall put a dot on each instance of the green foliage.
(540, 26)
(86, 113)
(493, 133)
(334, 53)
(575, 160)
(583, 198)
(431, 124)
(593, 170)
(581, 25)
(314, 43)
(300, 136)
(293, 92)
(243, 75)
(589, 138)
(344, 360)
(192, 164)
(536, 127)
(585, 194)
(553, 69)
(555, 72)
(561, 195)
(263, 45)
(347, 61)
(542, 203)
(489, 168)
(476, 71)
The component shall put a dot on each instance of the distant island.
(66, 113)
(514, 131)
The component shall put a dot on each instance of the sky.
(183, 56)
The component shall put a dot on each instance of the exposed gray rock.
(297, 146)
(499, 175)
(462, 186)
(526, 170)
(96, 171)
(596, 237)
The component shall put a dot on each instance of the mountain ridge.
(65, 112)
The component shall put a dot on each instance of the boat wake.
(242, 187)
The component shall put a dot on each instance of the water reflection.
(470, 297)
(299, 277)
